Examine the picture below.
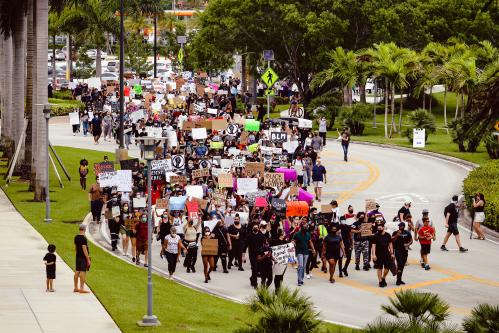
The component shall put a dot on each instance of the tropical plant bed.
(62, 107)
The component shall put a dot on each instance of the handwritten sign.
(284, 253)
(162, 165)
(279, 206)
(246, 185)
(366, 229)
(103, 167)
(239, 161)
(253, 168)
(225, 180)
(199, 173)
(219, 197)
(199, 133)
(296, 208)
(279, 136)
(162, 203)
(275, 180)
(178, 179)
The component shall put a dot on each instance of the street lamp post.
(150, 144)
(46, 115)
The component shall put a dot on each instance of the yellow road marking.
(391, 291)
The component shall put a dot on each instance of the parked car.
(92, 54)
(59, 55)
(113, 66)
(108, 76)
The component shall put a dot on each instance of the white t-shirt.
(172, 243)
(298, 166)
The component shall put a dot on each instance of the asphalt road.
(391, 177)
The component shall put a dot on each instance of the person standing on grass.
(426, 234)
(49, 261)
(83, 171)
(318, 178)
(82, 260)
(95, 196)
(479, 217)
(173, 245)
(451, 215)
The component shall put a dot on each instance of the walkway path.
(25, 307)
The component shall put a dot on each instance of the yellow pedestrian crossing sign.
(180, 55)
(497, 125)
(269, 92)
(269, 77)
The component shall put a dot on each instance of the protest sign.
(252, 196)
(161, 203)
(205, 164)
(158, 177)
(74, 118)
(162, 165)
(238, 119)
(279, 206)
(178, 162)
(261, 202)
(289, 174)
(231, 129)
(217, 171)
(225, 180)
(253, 148)
(225, 163)
(290, 146)
(239, 161)
(172, 139)
(199, 173)
(279, 136)
(326, 208)
(192, 206)
(178, 179)
(305, 196)
(132, 164)
(137, 88)
(199, 133)
(103, 167)
(177, 203)
(370, 205)
(246, 185)
(139, 202)
(108, 179)
(253, 168)
(195, 191)
(366, 229)
(219, 197)
(284, 254)
(252, 125)
(243, 138)
(296, 208)
(218, 124)
(212, 111)
(216, 145)
(209, 246)
(275, 180)
(233, 151)
(136, 116)
(124, 178)
(304, 123)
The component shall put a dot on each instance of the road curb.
(421, 152)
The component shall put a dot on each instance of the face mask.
(350, 211)
(380, 231)
(125, 209)
(144, 220)
(303, 229)
(236, 222)
(255, 231)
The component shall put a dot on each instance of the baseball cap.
(425, 211)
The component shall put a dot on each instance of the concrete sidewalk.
(25, 306)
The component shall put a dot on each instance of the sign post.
(181, 40)
(269, 77)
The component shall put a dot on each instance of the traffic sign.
(497, 125)
(269, 77)
(180, 55)
(269, 92)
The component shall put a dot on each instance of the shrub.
(277, 99)
(63, 94)
(492, 145)
(327, 106)
(64, 107)
(355, 116)
(421, 118)
(485, 179)
(484, 318)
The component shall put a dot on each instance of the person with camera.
(479, 216)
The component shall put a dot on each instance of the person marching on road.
(345, 141)
(382, 253)
(401, 240)
(360, 243)
(419, 225)
(426, 234)
(451, 216)
(319, 178)
(332, 247)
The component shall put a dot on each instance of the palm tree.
(414, 312)
(484, 318)
(282, 312)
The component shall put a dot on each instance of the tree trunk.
(424, 99)
(54, 76)
(345, 96)
(98, 63)
(244, 85)
(19, 57)
(462, 105)
(350, 96)
(7, 116)
(401, 110)
(431, 90)
(41, 96)
(362, 90)
(457, 106)
(386, 107)
(445, 105)
(392, 127)
(28, 142)
(69, 58)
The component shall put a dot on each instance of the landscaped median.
(122, 288)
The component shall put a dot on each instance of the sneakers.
(443, 248)
(399, 282)
(188, 270)
(462, 249)
(345, 272)
(341, 274)
(357, 267)
(422, 263)
(308, 276)
(427, 267)
(366, 268)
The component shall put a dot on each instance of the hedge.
(62, 107)
(485, 179)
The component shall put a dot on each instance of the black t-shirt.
(255, 241)
(382, 242)
(79, 241)
(404, 238)
(234, 231)
(404, 210)
(345, 233)
(50, 257)
(451, 208)
(332, 243)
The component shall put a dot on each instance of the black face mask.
(350, 211)
(380, 231)
(236, 222)
(255, 231)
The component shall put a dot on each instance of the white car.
(92, 53)
(109, 76)
(59, 55)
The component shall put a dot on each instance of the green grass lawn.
(120, 287)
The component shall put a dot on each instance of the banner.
(279, 136)
(284, 254)
(246, 185)
(252, 125)
(275, 180)
(103, 167)
(162, 165)
(195, 191)
(296, 208)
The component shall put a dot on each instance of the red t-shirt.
(426, 234)
(141, 229)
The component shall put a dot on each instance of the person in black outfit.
(264, 259)
(261, 112)
(114, 223)
(382, 253)
(224, 244)
(280, 268)
(401, 240)
(346, 235)
(237, 234)
(254, 242)
(49, 260)
(451, 215)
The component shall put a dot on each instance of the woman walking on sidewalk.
(479, 218)
(172, 246)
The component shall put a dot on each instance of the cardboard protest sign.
(199, 133)
(219, 124)
(370, 205)
(275, 180)
(243, 139)
(279, 206)
(132, 164)
(178, 162)
(279, 136)
(246, 185)
(199, 173)
(284, 254)
(219, 197)
(225, 180)
(74, 118)
(366, 229)
(252, 125)
(253, 168)
(216, 145)
(195, 191)
(162, 203)
(239, 120)
(103, 167)
(177, 203)
(178, 179)
(209, 246)
(139, 202)
(326, 208)
(124, 178)
(297, 208)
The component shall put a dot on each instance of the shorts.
(318, 184)
(425, 248)
(453, 229)
(479, 217)
(383, 262)
(81, 264)
(141, 246)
